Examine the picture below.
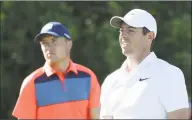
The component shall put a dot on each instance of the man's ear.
(70, 44)
(150, 36)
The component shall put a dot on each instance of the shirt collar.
(151, 57)
(50, 71)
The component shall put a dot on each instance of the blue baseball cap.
(53, 28)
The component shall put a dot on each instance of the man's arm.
(105, 113)
(25, 107)
(173, 95)
(183, 113)
(94, 100)
(95, 113)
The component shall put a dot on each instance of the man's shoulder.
(83, 68)
(113, 76)
(166, 66)
(32, 76)
(168, 75)
(166, 69)
(29, 80)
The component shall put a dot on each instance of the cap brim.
(116, 21)
(37, 37)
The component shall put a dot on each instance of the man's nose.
(124, 35)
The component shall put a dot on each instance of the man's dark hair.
(145, 30)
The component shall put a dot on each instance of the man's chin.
(51, 62)
(54, 63)
(127, 53)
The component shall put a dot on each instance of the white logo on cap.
(47, 27)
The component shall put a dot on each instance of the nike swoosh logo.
(142, 79)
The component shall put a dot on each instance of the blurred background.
(95, 42)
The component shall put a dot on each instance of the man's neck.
(134, 60)
(61, 66)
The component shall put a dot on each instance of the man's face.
(55, 49)
(132, 40)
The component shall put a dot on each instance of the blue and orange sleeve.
(95, 91)
(25, 107)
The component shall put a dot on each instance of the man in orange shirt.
(61, 89)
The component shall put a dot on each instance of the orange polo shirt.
(47, 94)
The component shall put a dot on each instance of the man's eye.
(131, 30)
(43, 43)
(54, 41)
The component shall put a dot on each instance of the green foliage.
(95, 41)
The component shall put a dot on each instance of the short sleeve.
(173, 92)
(25, 107)
(105, 108)
(95, 91)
